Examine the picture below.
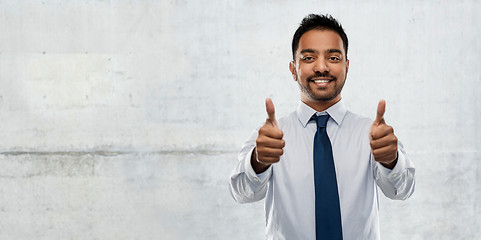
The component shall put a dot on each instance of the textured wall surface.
(122, 119)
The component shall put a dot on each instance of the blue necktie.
(328, 212)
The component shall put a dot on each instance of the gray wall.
(123, 119)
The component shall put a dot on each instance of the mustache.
(321, 75)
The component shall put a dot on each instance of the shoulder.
(357, 123)
(288, 121)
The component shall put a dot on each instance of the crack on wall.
(116, 153)
(97, 163)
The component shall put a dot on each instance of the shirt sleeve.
(399, 182)
(245, 185)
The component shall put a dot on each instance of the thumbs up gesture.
(383, 141)
(269, 142)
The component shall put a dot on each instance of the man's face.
(320, 66)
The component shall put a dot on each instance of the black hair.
(318, 22)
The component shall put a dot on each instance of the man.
(319, 166)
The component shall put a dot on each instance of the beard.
(323, 97)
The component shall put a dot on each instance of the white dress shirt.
(289, 184)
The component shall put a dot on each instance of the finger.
(384, 152)
(268, 160)
(381, 109)
(386, 159)
(266, 141)
(271, 132)
(271, 112)
(270, 152)
(385, 156)
(381, 131)
(383, 142)
(270, 142)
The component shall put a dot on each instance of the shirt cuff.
(256, 179)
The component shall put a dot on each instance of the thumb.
(271, 112)
(381, 109)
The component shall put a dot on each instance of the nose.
(321, 66)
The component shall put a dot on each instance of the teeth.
(321, 81)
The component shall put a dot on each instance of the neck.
(320, 106)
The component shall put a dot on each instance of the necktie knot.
(321, 120)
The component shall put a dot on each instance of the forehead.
(321, 41)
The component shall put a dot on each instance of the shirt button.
(256, 179)
(394, 174)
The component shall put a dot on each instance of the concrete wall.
(123, 119)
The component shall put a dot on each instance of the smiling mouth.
(321, 80)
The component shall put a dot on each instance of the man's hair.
(318, 22)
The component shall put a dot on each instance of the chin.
(324, 98)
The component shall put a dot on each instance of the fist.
(269, 142)
(383, 141)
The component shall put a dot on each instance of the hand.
(383, 141)
(269, 142)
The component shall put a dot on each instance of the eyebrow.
(310, 50)
(334, 51)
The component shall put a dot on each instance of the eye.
(334, 59)
(308, 59)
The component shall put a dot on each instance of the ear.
(347, 66)
(292, 68)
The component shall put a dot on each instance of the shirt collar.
(336, 111)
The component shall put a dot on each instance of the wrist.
(391, 164)
(259, 167)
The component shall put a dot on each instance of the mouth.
(321, 82)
